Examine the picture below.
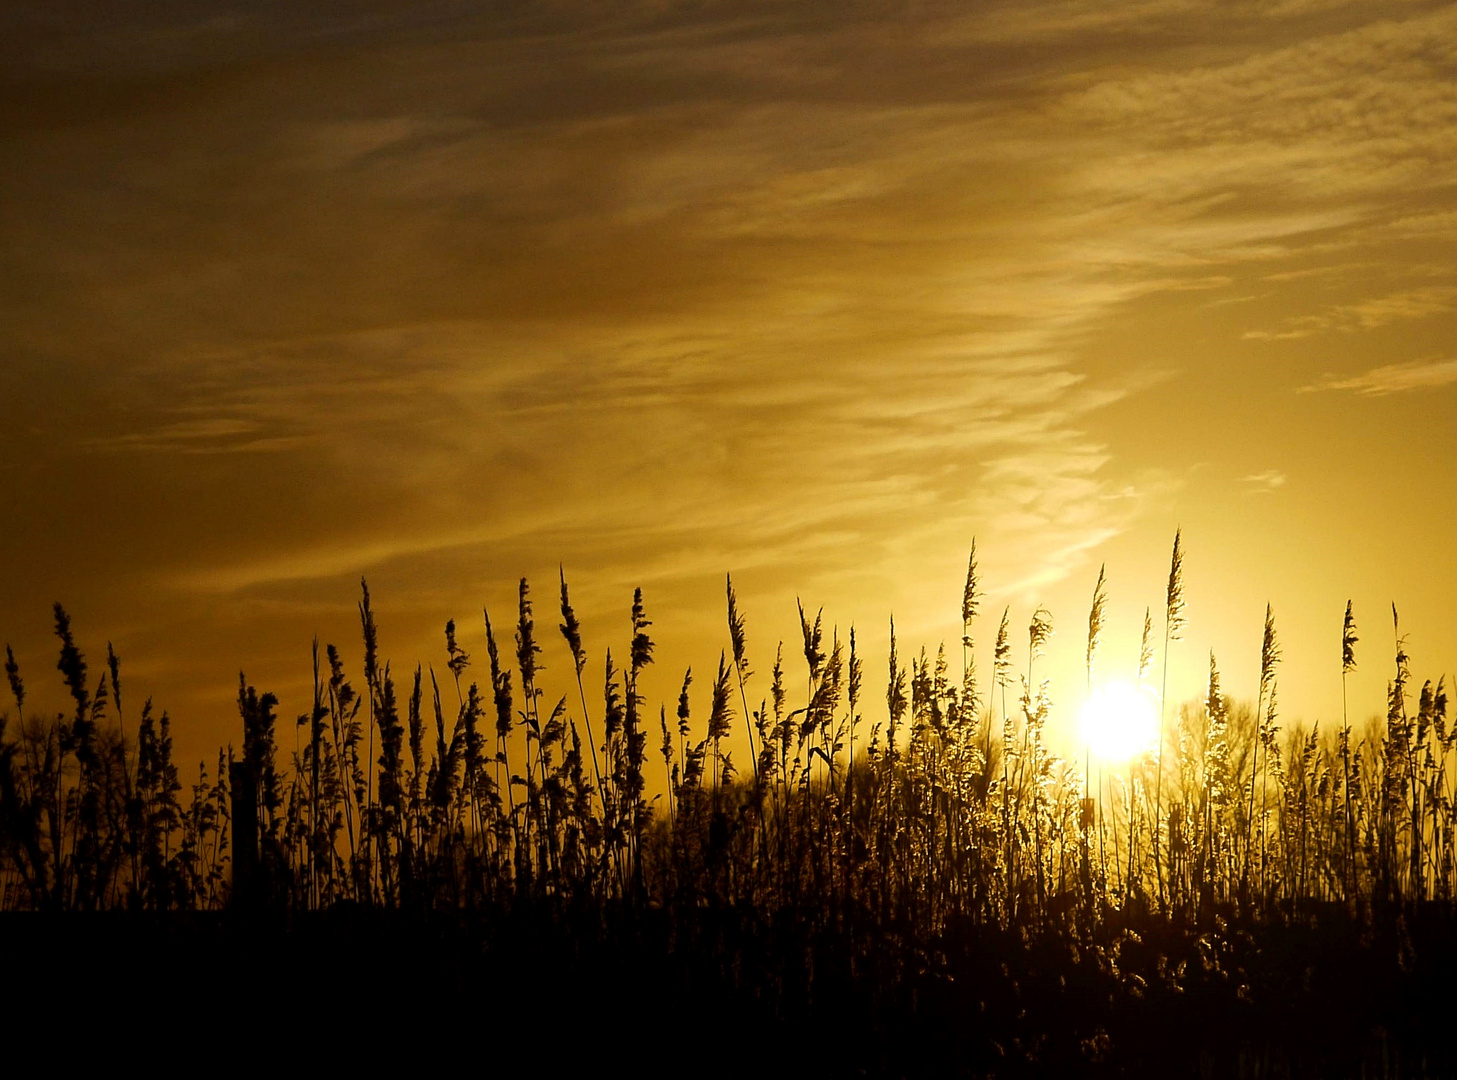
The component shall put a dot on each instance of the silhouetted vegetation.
(910, 886)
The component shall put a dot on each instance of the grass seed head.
(969, 596)
(1002, 656)
(1039, 630)
(1348, 641)
(1095, 617)
(17, 687)
(527, 650)
(571, 628)
(737, 637)
(1174, 599)
(1145, 648)
(71, 665)
(1269, 652)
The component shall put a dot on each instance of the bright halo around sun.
(1119, 721)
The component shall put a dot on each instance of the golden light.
(1119, 721)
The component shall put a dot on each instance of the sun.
(1119, 721)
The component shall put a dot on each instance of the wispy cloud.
(1367, 314)
(1392, 378)
(1263, 483)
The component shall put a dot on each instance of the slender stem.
(1346, 784)
(1158, 784)
(1254, 771)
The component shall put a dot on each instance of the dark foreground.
(532, 993)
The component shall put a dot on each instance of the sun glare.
(1119, 721)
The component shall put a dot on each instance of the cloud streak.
(1264, 483)
(1393, 378)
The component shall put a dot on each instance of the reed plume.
(1145, 647)
(1174, 598)
(1095, 620)
(739, 641)
(720, 715)
(1348, 641)
(1002, 656)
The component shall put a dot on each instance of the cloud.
(1392, 378)
(1264, 482)
(666, 288)
(451, 440)
(1307, 140)
(1366, 314)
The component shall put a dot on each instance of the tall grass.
(945, 808)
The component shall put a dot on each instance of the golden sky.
(448, 293)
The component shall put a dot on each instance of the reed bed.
(884, 831)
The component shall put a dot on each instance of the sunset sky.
(445, 294)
